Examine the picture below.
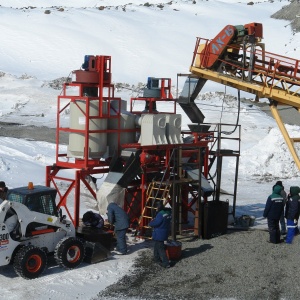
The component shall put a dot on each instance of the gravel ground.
(35, 133)
(237, 265)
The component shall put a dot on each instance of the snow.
(143, 40)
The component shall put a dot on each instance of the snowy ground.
(143, 41)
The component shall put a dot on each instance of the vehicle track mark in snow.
(81, 283)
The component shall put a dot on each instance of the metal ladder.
(156, 191)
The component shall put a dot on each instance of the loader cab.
(40, 198)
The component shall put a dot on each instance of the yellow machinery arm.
(237, 58)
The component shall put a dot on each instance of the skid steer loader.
(32, 228)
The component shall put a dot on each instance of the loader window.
(42, 204)
(15, 198)
(47, 205)
(33, 204)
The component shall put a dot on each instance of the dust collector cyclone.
(97, 141)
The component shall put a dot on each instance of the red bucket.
(174, 250)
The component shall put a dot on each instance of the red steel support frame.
(99, 77)
(163, 164)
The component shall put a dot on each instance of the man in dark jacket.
(292, 213)
(93, 219)
(118, 217)
(161, 228)
(282, 219)
(273, 210)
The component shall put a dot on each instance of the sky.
(157, 41)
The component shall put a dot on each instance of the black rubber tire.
(69, 252)
(30, 262)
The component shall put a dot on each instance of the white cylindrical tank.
(127, 121)
(97, 142)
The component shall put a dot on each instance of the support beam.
(289, 141)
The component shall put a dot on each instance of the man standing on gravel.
(282, 219)
(273, 211)
(292, 213)
(161, 228)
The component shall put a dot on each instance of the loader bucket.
(95, 252)
(97, 242)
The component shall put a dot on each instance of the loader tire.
(30, 262)
(69, 252)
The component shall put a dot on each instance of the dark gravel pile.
(238, 265)
(35, 133)
(291, 13)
